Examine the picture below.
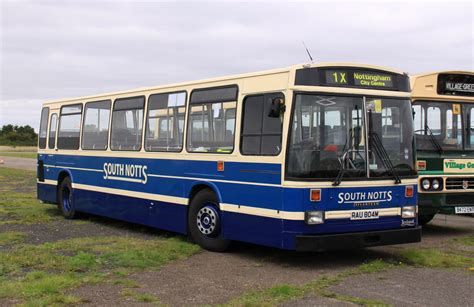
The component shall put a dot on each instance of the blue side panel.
(161, 215)
(46, 192)
(246, 184)
(346, 198)
(253, 229)
(267, 197)
(236, 171)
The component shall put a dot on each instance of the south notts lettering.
(364, 197)
(126, 172)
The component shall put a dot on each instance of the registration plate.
(365, 215)
(461, 210)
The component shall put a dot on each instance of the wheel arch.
(62, 174)
(198, 186)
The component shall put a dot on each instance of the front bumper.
(319, 243)
(443, 202)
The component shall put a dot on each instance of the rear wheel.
(66, 199)
(204, 222)
(425, 219)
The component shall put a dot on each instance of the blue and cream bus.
(311, 158)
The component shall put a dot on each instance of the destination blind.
(456, 84)
(352, 77)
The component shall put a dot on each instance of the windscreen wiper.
(343, 158)
(433, 140)
(380, 150)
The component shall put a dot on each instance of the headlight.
(435, 184)
(425, 184)
(408, 212)
(314, 217)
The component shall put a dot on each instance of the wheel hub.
(67, 199)
(207, 220)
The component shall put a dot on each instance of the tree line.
(11, 135)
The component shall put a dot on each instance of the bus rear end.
(350, 176)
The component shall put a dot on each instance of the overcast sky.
(59, 49)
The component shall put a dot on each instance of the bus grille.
(459, 183)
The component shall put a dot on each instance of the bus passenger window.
(95, 132)
(43, 128)
(211, 124)
(69, 127)
(127, 123)
(165, 120)
(261, 134)
(52, 131)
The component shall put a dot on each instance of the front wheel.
(66, 199)
(204, 222)
(425, 219)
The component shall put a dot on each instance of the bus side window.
(261, 134)
(211, 126)
(95, 132)
(52, 131)
(419, 119)
(164, 127)
(69, 127)
(470, 127)
(43, 128)
(127, 124)
(434, 120)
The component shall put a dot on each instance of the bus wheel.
(204, 222)
(66, 199)
(425, 219)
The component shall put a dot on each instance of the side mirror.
(277, 107)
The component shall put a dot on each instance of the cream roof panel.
(424, 86)
(275, 78)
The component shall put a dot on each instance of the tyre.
(66, 199)
(425, 219)
(205, 223)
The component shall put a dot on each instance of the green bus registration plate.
(462, 210)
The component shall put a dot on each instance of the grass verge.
(46, 272)
(433, 258)
(140, 296)
(466, 240)
(18, 203)
(283, 293)
(19, 154)
(11, 237)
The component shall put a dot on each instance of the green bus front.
(444, 129)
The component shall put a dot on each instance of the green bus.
(443, 111)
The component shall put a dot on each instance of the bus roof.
(425, 86)
(290, 69)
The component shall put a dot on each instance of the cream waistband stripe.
(286, 184)
(48, 181)
(150, 196)
(272, 213)
(263, 212)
